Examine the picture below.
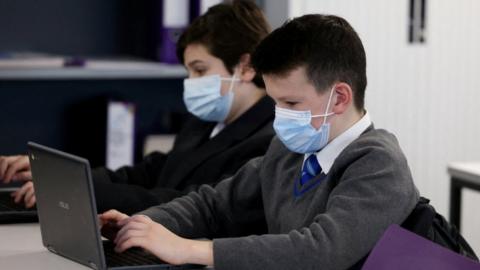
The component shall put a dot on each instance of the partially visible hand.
(27, 193)
(141, 231)
(15, 168)
(109, 223)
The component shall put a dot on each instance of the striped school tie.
(311, 168)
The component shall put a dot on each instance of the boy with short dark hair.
(328, 186)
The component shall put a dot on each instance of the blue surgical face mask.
(203, 98)
(294, 129)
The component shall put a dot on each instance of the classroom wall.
(428, 95)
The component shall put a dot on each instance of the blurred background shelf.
(65, 107)
(99, 69)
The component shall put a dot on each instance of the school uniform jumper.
(272, 221)
(195, 159)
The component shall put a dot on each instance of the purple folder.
(399, 249)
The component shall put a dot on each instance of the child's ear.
(342, 97)
(247, 73)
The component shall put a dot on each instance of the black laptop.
(68, 216)
(11, 212)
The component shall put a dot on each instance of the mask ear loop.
(232, 80)
(328, 106)
(230, 89)
(326, 111)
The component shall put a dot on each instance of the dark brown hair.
(228, 31)
(326, 45)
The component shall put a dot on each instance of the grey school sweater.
(257, 222)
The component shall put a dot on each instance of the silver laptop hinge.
(93, 265)
(51, 249)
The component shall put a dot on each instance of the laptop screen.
(65, 205)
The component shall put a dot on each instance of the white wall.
(428, 95)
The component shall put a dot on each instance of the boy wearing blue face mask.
(204, 99)
(327, 188)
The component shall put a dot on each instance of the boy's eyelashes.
(197, 72)
(200, 72)
(286, 104)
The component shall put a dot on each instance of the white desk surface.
(21, 248)
(468, 171)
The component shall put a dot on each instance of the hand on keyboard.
(25, 195)
(15, 168)
(109, 223)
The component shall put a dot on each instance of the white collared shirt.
(330, 152)
(219, 127)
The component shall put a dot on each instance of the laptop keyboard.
(7, 204)
(130, 257)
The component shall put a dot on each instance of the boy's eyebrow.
(194, 62)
